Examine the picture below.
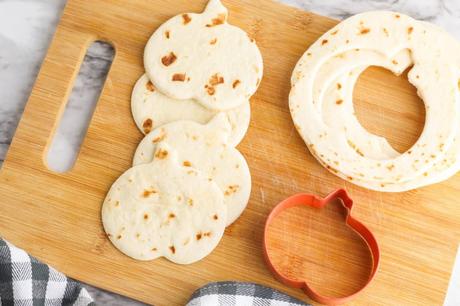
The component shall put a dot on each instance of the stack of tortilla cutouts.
(188, 181)
(321, 102)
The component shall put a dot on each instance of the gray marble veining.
(27, 26)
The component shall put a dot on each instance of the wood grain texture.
(56, 217)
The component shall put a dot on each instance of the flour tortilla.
(205, 148)
(374, 146)
(388, 34)
(202, 57)
(152, 109)
(164, 209)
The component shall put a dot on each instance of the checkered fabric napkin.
(25, 281)
(241, 294)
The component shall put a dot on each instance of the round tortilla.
(394, 41)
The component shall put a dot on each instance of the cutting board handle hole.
(73, 124)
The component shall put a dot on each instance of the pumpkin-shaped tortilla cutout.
(163, 209)
(202, 57)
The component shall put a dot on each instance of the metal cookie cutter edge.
(304, 199)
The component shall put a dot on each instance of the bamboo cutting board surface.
(56, 217)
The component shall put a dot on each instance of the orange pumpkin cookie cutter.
(304, 199)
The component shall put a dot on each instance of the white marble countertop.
(26, 28)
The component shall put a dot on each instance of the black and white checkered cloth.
(25, 281)
(241, 294)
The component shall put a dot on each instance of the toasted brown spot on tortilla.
(409, 152)
(148, 192)
(351, 144)
(138, 235)
(309, 54)
(425, 174)
(119, 237)
(168, 59)
(339, 86)
(173, 249)
(433, 156)
(171, 216)
(117, 203)
(237, 166)
(349, 178)
(186, 241)
(335, 32)
(150, 86)
(382, 185)
(167, 34)
(395, 62)
(178, 77)
(338, 102)
(390, 167)
(397, 16)
(386, 31)
(154, 249)
(347, 41)
(210, 90)
(186, 163)
(109, 235)
(331, 169)
(186, 18)
(237, 82)
(410, 30)
(215, 217)
(325, 41)
(216, 79)
(220, 19)
(147, 125)
(179, 198)
(207, 234)
(190, 201)
(231, 189)
(146, 216)
(161, 154)
(213, 41)
(159, 137)
(441, 146)
(364, 31)
(198, 236)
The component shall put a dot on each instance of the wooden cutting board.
(56, 217)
